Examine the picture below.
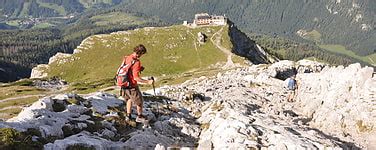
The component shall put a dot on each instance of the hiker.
(291, 87)
(132, 93)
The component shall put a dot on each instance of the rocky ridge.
(241, 108)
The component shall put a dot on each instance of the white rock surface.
(340, 100)
(85, 139)
(101, 102)
(247, 108)
(62, 122)
(60, 58)
(242, 108)
(38, 72)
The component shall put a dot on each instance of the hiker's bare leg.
(129, 106)
(289, 97)
(139, 109)
(293, 96)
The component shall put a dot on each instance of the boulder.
(339, 100)
(60, 58)
(39, 72)
(85, 140)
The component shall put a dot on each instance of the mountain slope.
(50, 8)
(29, 47)
(349, 23)
(174, 55)
(172, 52)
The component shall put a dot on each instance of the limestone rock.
(147, 139)
(241, 108)
(60, 57)
(38, 72)
(339, 100)
(91, 122)
(248, 109)
(308, 66)
(85, 139)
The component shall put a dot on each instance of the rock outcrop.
(286, 68)
(96, 121)
(245, 47)
(340, 100)
(243, 108)
(53, 83)
(247, 108)
(39, 72)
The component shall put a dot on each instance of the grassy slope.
(342, 50)
(19, 102)
(89, 3)
(59, 9)
(25, 9)
(314, 35)
(43, 25)
(22, 93)
(13, 23)
(9, 113)
(11, 108)
(171, 51)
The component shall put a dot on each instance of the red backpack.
(122, 77)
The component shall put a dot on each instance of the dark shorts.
(133, 94)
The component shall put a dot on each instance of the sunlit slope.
(171, 50)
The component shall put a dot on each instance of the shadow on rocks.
(180, 139)
(173, 121)
(339, 142)
(252, 108)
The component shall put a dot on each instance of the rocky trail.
(242, 108)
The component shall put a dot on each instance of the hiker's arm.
(142, 81)
(136, 74)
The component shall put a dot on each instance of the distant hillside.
(29, 47)
(8, 71)
(348, 23)
(50, 8)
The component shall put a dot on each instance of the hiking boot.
(141, 118)
(128, 118)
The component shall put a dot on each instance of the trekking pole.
(155, 96)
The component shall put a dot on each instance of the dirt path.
(216, 40)
(54, 91)
(21, 97)
(10, 107)
(373, 63)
